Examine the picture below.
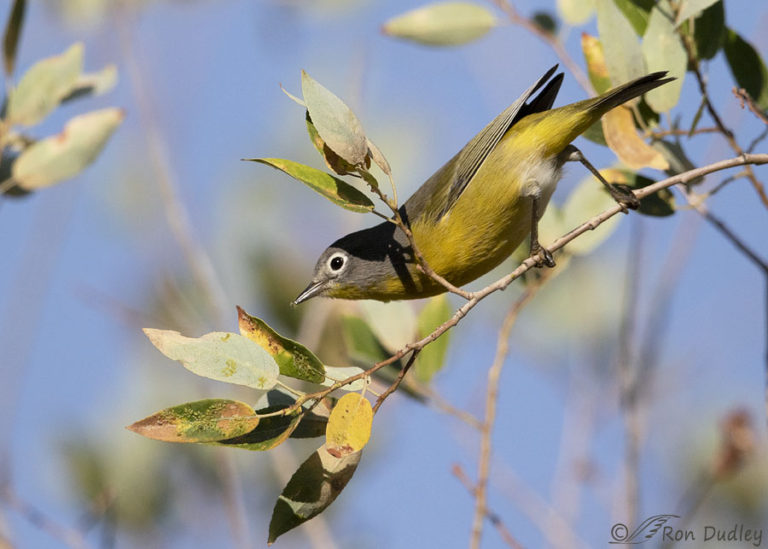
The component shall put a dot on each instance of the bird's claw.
(624, 196)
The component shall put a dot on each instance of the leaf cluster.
(29, 163)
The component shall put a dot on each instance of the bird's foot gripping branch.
(280, 369)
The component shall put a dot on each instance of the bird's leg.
(621, 193)
(536, 248)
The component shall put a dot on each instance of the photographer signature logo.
(620, 534)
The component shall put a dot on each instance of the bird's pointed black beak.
(314, 288)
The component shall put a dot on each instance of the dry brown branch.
(494, 373)
(504, 532)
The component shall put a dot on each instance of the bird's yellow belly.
(490, 220)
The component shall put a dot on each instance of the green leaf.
(432, 357)
(442, 24)
(637, 13)
(337, 191)
(12, 34)
(545, 21)
(709, 31)
(201, 421)
(677, 159)
(361, 343)
(691, 8)
(658, 204)
(663, 50)
(575, 12)
(95, 83)
(586, 201)
(623, 55)
(43, 87)
(312, 488)
(293, 359)
(65, 155)
(393, 323)
(335, 122)
(595, 134)
(222, 356)
(332, 160)
(747, 67)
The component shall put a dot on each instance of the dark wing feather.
(469, 159)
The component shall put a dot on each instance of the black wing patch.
(473, 154)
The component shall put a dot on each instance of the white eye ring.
(337, 262)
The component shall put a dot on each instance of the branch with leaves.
(264, 360)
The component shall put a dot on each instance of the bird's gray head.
(366, 264)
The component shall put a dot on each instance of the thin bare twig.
(627, 377)
(64, 534)
(658, 134)
(557, 46)
(398, 380)
(504, 532)
(743, 96)
(693, 64)
(494, 373)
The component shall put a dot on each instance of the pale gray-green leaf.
(575, 12)
(44, 86)
(340, 373)
(663, 51)
(221, 356)
(442, 24)
(65, 155)
(94, 83)
(393, 323)
(623, 55)
(335, 122)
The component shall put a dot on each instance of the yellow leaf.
(349, 425)
(623, 139)
(595, 58)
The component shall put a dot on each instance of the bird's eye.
(336, 262)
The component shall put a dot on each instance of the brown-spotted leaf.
(221, 356)
(622, 137)
(269, 433)
(293, 359)
(312, 488)
(334, 189)
(208, 420)
(349, 426)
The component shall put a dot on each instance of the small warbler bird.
(476, 209)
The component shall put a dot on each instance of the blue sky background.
(85, 262)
